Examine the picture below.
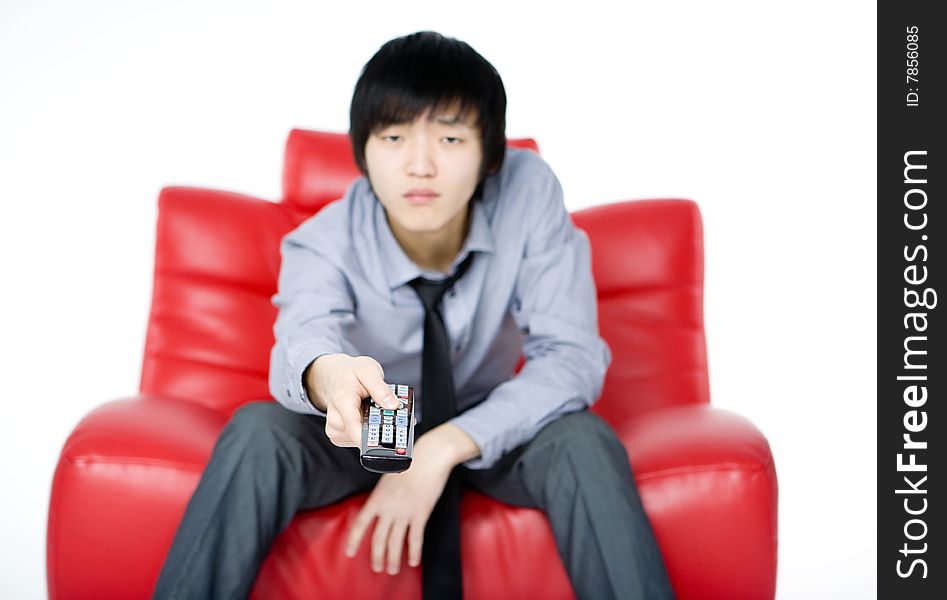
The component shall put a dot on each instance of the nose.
(420, 160)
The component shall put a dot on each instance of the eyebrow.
(451, 120)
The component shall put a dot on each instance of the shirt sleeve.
(315, 304)
(555, 306)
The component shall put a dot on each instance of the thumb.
(383, 395)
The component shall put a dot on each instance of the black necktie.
(441, 575)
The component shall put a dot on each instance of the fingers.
(361, 523)
(344, 423)
(334, 422)
(388, 538)
(415, 542)
(380, 543)
(387, 545)
(395, 545)
(351, 414)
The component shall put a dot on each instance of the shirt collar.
(399, 269)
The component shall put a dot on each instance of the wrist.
(448, 445)
(309, 384)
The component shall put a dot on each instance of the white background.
(764, 113)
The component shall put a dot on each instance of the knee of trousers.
(585, 436)
(260, 430)
(580, 449)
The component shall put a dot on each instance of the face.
(425, 172)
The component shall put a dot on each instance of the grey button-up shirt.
(529, 290)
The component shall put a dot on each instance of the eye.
(390, 138)
(453, 140)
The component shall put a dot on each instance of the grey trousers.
(270, 462)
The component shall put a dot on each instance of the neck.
(434, 250)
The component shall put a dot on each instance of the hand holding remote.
(388, 435)
(337, 383)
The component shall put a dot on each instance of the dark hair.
(427, 70)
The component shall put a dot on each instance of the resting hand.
(402, 503)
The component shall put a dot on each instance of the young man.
(442, 200)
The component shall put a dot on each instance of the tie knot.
(432, 290)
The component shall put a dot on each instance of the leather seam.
(753, 469)
(84, 462)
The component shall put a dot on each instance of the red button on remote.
(401, 451)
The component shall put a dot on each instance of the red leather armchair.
(126, 472)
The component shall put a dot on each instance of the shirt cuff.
(297, 368)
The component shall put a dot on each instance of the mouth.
(419, 196)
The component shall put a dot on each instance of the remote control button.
(374, 410)
(374, 419)
(402, 390)
(401, 451)
(402, 412)
(402, 421)
(387, 412)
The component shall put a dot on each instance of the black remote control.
(388, 435)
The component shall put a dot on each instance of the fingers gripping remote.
(388, 435)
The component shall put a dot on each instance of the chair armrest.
(691, 437)
(146, 429)
(119, 490)
(708, 484)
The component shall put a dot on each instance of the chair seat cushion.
(131, 465)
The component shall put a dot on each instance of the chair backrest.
(217, 263)
(648, 266)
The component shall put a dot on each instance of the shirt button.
(451, 293)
